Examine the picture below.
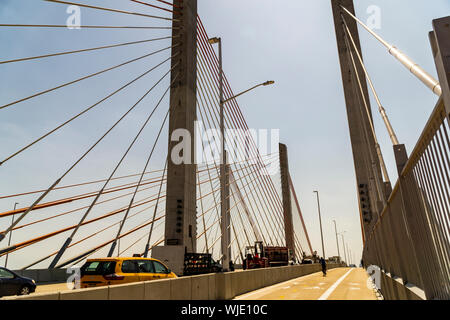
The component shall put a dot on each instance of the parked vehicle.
(260, 256)
(12, 284)
(112, 271)
(254, 257)
(278, 256)
(200, 263)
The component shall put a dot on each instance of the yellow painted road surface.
(339, 284)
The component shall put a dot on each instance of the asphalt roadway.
(339, 284)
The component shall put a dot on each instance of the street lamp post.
(320, 222)
(337, 242)
(349, 254)
(224, 228)
(10, 235)
(343, 245)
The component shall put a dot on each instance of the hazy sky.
(289, 41)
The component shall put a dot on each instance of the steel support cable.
(239, 212)
(79, 241)
(68, 200)
(240, 117)
(381, 109)
(245, 208)
(200, 86)
(203, 210)
(369, 115)
(260, 200)
(110, 10)
(291, 184)
(209, 63)
(140, 239)
(49, 235)
(206, 230)
(208, 138)
(2, 235)
(208, 119)
(229, 210)
(64, 26)
(144, 125)
(153, 6)
(215, 241)
(98, 181)
(201, 29)
(381, 193)
(113, 245)
(209, 173)
(212, 192)
(157, 199)
(84, 78)
(147, 245)
(235, 236)
(201, 76)
(84, 111)
(244, 188)
(77, 209)
(119, 252)
(85, 207)
(204, 213)
(78, 185)
(105, 244)
(413, 67)
(85, 50)
(297, 246)
(170, 4)
(215, 203)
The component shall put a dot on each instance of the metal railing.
(411, 238)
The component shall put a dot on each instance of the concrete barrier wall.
(43, 276)
(218, 286)
(392, 288)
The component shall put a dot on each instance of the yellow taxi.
(112, 271)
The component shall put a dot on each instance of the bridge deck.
(339, 284)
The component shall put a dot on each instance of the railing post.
(440, 44)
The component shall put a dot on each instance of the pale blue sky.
(289, 41)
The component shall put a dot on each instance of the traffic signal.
(364, 202)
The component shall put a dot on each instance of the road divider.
(214, 286)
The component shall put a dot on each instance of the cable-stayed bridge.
(155, 158)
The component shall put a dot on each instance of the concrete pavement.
(339, 284)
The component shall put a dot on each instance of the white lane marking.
(265, 290)
(334, 286)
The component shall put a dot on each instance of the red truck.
(259, 256)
